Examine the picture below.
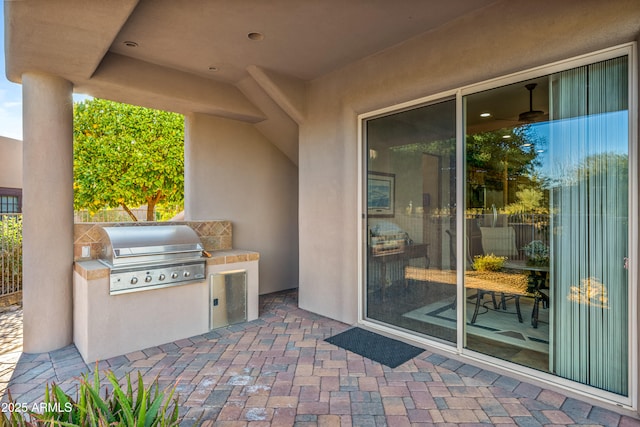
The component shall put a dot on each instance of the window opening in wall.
(10, 200)
(9, 204)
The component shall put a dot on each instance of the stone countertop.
(91, 269)
(231, 256)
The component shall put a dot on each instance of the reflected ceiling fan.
(531, 115)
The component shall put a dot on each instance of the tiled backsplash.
(215, 235)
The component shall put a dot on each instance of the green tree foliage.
(600, 167)
(494, 158)
(529, 200)
(127, 156)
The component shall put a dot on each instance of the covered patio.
(280, 103)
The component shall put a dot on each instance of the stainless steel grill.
(144, 257)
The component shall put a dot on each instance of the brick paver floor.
(278, 371)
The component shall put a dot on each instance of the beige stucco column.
(47, 212)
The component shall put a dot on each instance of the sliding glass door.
(411, 226)
(547, 223)
(542, 276)
(589, 183)
(507, 223)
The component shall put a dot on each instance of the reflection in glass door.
(507, 224)
(411, 225)
(547, 225)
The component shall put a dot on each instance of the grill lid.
(126, 246)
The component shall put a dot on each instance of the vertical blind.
(590, 224)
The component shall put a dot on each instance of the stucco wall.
(11, 155)
(232, 172)
(507, 37)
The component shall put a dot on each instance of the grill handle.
(131, 253)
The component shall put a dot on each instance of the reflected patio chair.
(453, 252)
(499, 241)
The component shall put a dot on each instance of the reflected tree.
(496, 158)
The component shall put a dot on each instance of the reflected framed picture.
(381, 194)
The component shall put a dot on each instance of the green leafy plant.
(144, 407)
(488, 262)
(11, 250)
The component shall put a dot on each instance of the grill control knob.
(187, 274)
(161, 277)
(134, 280)
(148, 279)
(174, 275)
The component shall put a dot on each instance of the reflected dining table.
(538, 280)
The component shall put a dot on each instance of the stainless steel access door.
(228, 298)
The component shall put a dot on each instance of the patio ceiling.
(303, 40)
(197, 56)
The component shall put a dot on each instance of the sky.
(10, 96)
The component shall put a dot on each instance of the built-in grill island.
(141, 258)
(136, 286)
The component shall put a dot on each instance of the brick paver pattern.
(279, 371)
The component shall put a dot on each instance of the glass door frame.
(628, 49)
(362, 219)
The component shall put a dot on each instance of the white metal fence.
(10, 254)
(162, 213)
(109, 215)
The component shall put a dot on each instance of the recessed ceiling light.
(527, 145)
(485, 115)
(129, 43)
(506, 136)
(255, 36)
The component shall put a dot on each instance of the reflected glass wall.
(411, 226)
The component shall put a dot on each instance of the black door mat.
(378, 348)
